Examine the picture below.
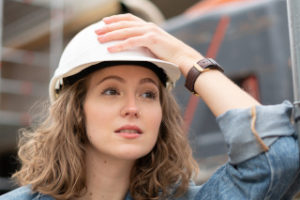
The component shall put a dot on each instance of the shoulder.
(24, 193)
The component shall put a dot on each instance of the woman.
(114, 130)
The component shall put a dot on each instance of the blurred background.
(249, 38)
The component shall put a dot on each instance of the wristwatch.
(201, 66)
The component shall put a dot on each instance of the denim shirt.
(250, 173)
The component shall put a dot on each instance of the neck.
(106, 177)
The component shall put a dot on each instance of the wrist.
(203, 65)
(185, 63)
(188, 64)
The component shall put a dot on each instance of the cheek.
(95, 117)
(98, 112)
(96, 123)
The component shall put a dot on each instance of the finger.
(121, 17)
(122, 34)
(116, 26)
(130, 43)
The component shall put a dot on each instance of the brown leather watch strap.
(191, 79)
(198, 68)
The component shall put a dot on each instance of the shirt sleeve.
(252, 173)
(267, 176)
(271, 122)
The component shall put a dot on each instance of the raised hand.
(135, 32)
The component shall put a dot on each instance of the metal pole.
(293, 10)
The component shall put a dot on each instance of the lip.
(129, 135)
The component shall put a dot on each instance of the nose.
(130, 108)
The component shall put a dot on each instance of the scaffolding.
(16, 57)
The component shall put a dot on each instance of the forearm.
(218, 91)
(221, 94)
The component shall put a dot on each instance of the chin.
(133, 153)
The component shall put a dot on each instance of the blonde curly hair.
(52, 155)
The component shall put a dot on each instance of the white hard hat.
(84, 51)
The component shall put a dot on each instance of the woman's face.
(123, 111)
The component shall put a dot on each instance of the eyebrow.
(118, 78)
(148, 80)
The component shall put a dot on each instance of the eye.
(149, 95)
(110, 92)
